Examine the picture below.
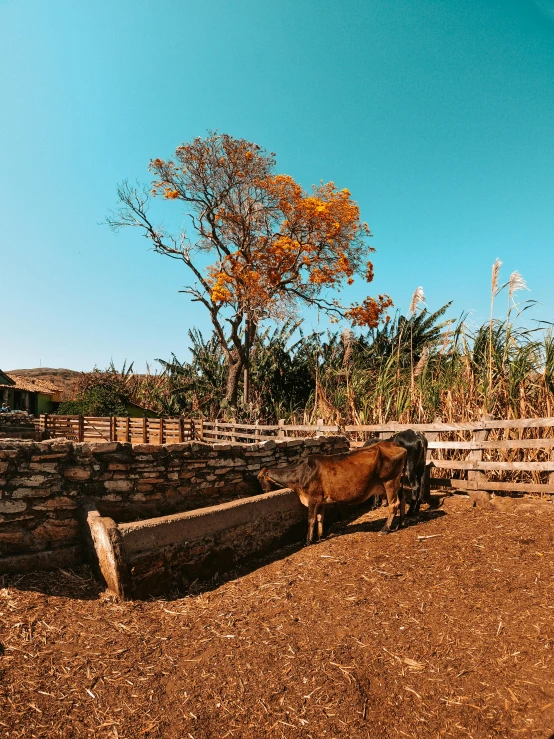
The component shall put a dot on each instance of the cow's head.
(265, 481)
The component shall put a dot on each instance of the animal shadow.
(349, 525)
(77, 583)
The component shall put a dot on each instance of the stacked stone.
(17, 425)
(43, 483)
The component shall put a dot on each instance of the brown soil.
(445, 628)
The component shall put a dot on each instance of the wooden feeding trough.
(146, 558)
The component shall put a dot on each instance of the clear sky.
(438, 115)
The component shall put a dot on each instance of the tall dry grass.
(412, 369)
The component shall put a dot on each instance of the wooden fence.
(117, 428)
(497, 455)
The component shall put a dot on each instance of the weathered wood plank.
(431, 437)
(475, 476)
(286, 427)
(465, 426)
(448, 464)
(504, 444)
(215, 434)
(224, 424)
(523, 487)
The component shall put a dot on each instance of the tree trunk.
(233, 379)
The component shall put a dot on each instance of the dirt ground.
(443, 629)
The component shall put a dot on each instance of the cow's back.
(355, 476)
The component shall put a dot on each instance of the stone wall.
(43, 483)
(17, 426)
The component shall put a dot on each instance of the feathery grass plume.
(516, 283)
(420, 366)
(494, 281)
(417, 299)
(347, 340)
(494, 291)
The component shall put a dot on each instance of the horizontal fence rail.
(119, 428)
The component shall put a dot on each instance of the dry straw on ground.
(444, 629)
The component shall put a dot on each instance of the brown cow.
(343, 478)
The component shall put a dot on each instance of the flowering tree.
(272, 245)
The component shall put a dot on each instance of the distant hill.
(65, 379)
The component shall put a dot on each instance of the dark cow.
(415, 443)
(320, 480)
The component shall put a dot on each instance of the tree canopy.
(272, 245)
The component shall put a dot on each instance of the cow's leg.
(402, 507)
(426, 484)
(320, 523)
(395, 498)
(414, 501)
(312, 515)
(375, 502)
(419, 491)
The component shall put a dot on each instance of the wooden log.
(145, 430)
(280, 428)
(81, 434)
(161, 432)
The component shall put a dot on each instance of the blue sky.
(438, 115)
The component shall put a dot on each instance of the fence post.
(233, 435)
(474, 477)
(281, 431)
(161, 430)
(181, 429)
(127, 429)
(201, 428)
(257, 431)
(81, 429)
(550, 476)
(45, 421)
(111, 428)
(145, 430)
(318, 429)
(431, 436)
